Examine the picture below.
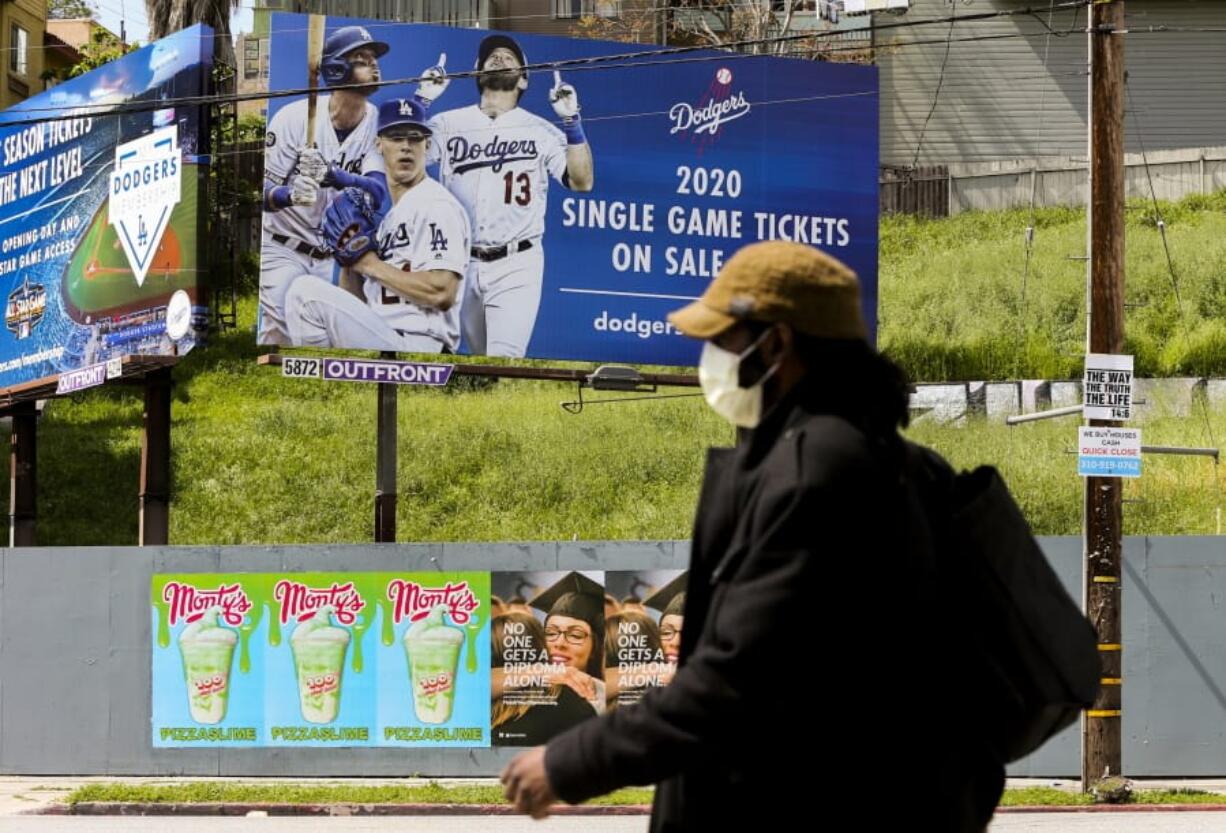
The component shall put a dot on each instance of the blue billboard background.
(72, 297)
(798, 160)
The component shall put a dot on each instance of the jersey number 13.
(519, 188)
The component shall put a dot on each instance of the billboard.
(99, 235)
(408, 659)
(321, 659)
(515, 229)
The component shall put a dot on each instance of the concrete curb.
(1119, 808)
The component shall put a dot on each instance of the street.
(1131, 822)
(395, 824)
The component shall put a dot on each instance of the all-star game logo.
(704, 121)
(145, 188)
(25, 308)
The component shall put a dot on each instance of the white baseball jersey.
(499, 169)
(287, 136)
(426, 229)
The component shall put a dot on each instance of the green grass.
(209, 792)
(263, 460)
(296, 793)
(1051, 797)
(1176, 495)
(258, 459)
(952, 302)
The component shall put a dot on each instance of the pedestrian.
(808, 669)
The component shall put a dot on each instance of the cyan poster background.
(375, 689)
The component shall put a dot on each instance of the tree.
(103, 47)
(168, 16)
(68, 9)
(717, 23)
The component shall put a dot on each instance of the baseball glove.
(350, 224)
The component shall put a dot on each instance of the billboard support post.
(385, 461)
(155, 461)
(23, 481)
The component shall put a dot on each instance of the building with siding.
(1024, 95)
(22, 30)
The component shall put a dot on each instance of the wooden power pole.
(1101, 735)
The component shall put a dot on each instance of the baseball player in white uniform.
(497, 159)
(301, 178)
(401, 287)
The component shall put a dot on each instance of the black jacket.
(806, 666)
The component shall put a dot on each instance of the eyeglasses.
(667, 634)
(575, 636)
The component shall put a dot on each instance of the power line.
(1170, 265)
(949, 37)
(795, 36)
(570, 65)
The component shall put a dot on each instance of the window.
(586, 8)
(251, 57)
(19, 47)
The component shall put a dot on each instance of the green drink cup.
(319, 661)
(432, 651)
(208, 653)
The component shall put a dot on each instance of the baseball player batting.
(497, 160)
(404, 271)
(303, 174)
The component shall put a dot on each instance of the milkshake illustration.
(208, 651)
(319, 658)
(432, 650)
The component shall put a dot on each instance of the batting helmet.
(493, 42)
(334, 68)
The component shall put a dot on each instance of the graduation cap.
(574, 595)
(669, 599)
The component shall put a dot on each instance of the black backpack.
(1031, 656)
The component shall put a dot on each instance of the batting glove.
(303, 190)
(311, 163)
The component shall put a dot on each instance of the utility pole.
(1101, 729)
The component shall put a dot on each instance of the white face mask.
(718, 374)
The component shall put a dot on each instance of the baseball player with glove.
(400, 287)
(303, 174)
(497, 159)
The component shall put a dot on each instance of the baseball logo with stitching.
(724, 76)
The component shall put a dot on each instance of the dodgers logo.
(145, 188)
(717, 106)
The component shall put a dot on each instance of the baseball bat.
(315, 52)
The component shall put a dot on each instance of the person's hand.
(563, 97)
(574, 679)
(433, 82)
(311, 163)
(526, 784)
(303, 190)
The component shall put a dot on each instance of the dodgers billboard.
(99, 242)
(551, 206)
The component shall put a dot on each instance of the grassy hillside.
(952, 304)
(260, 459)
